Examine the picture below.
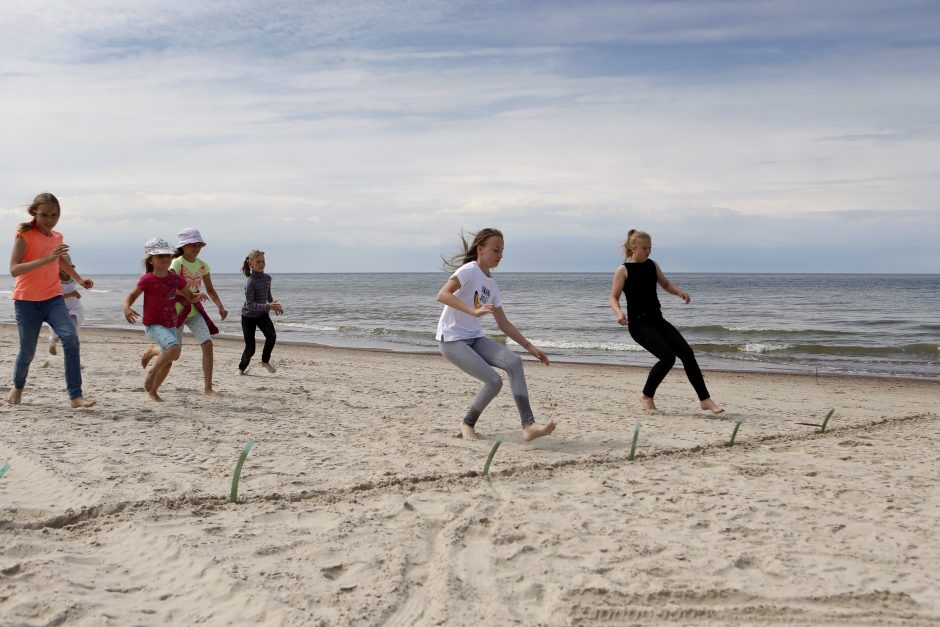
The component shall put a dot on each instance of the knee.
(668, 361)
(69, 341)
(494, 382)
(174, 352)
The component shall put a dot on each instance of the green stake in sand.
(735, 432)
(489, 458)
(238, 470)
(636, 435)
(4, 469)
(826, 421)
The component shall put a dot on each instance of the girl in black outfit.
(637, 278)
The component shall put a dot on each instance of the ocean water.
(840, 323)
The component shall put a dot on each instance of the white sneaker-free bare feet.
(149, 354)
(267, 366)
(15, 397)
(467, 432)
(647, 402)
(533, 431)
(81, 401)
(710, 405)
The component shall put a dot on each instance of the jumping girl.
(637, 278)
(255, 311)
(36, 261)
(470, 293)
(160, 287)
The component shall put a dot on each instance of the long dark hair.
(469, 252)
(44, 198)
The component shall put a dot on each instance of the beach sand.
(357, 505)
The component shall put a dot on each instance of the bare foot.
(153, 396)
(52, 350)
(81, 401)
(240, 371)
(536, 431)
(15, 397)
(211, 392)
(149, 354)
(467, 432)
(647, 402)
(710, 405)
(267, 366)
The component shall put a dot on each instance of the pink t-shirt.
(40, 283)
(160, 298)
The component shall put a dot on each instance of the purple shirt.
(160, 298)
(257, 295)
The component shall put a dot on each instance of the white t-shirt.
(475, 289)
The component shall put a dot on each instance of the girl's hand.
(535, 352)
(73, 295)
(482, 310)
(622, 319)
(130, 315)
(223, 312)
(276, 308)
(684, 296)
(87, 284)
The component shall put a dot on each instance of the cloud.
(391, 125)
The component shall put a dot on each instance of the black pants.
(666, 343)
(249, 325)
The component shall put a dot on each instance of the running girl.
(470, 293)
(637, 278)
(160, 288)
(36, 261)
(255, 311)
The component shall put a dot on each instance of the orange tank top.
(40, 283)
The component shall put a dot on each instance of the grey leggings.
(475, 357)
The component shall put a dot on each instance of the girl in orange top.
(37, 296)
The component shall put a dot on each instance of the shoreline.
(555, 360)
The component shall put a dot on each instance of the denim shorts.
(198, 327)
(162, 336)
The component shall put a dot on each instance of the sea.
(858, 324)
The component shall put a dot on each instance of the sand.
(357, 505)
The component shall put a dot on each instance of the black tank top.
(640, 290)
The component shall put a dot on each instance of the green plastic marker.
(489, 458)
(238, 470)
(4, 469)
(735, 432)
(826, 421)
(636, 435)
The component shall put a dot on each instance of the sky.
(750, 136)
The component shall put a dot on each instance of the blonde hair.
(469, 252)
(44, 198)
(633, 235)
(246, 265)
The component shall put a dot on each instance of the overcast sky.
(361, 136)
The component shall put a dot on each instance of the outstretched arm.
(616, 289)
(72, 272)
(511, 331)
(672, 288)
(214, 296)
(129, 314)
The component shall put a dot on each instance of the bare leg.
(532, 431)
(647, 402)
(467, 432)
(81, 401)
(161, 368)
(710, 405)
(15, 397)
(151, 352)
(207, 364)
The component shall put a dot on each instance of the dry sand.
(358, 505)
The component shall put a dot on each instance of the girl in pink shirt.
(37, 296)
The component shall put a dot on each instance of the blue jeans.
(29, 318)
(475, 357)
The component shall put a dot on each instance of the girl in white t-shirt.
(470, 293)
